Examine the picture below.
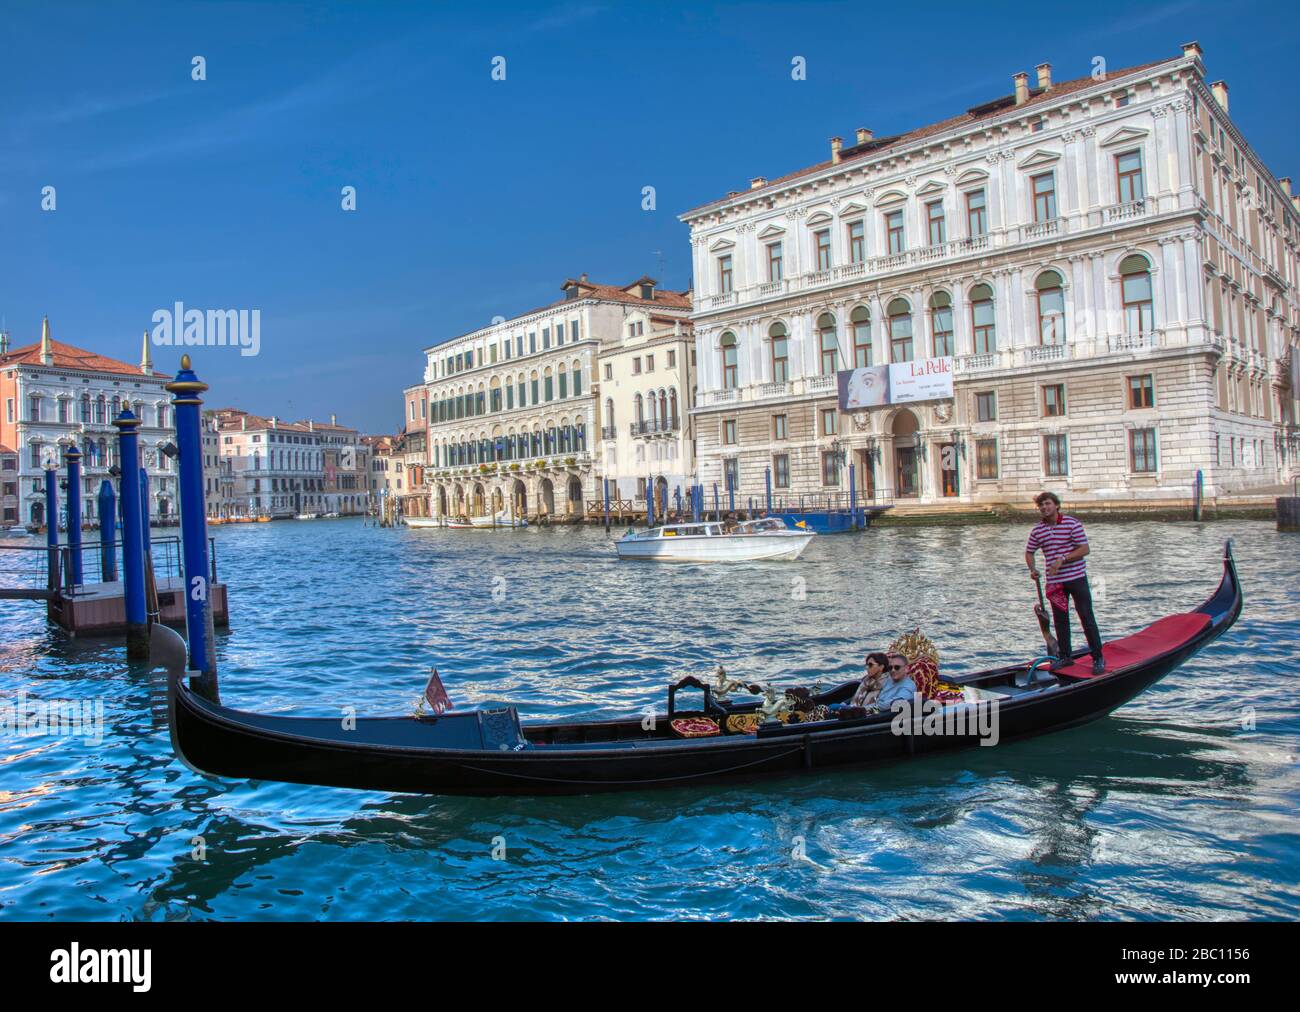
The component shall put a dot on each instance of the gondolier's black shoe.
(1060, 662)
(1098, 666)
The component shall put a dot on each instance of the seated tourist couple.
(887, 678)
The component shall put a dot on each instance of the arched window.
(672, 406)
(900, 331)
(828, 345)
(117, 405)
(85, 407)
(640, 410)
(983, 320)
(101, 410)
(162, 416)
(1051, 308)
(577, 377)
(535, 391)
(941, 323)
(663, 411)
(654, 409)
(580, 434)
(780, 353)
(860, 319)
(564, 381)
(730, 371)
(609, 413)
(1135, 289)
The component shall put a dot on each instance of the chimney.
(1285, 183)
(146, 357)
(334, 419)
(1220, 89)
(243, 422)
(4, 342)
(1295, 202)
(1021, 82)
(582, 278)
(311, 425)
(1193, 48)
(837, 143)
(47, 346)
(275, 422)
(1044, 76)
(757, 181)
(677, 327)
(864, 135)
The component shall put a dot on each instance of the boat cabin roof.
(712, 529)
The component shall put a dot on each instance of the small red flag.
(436, 695)
(1056, 594)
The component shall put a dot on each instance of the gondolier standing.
(1064, 545)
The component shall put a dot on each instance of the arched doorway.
(478, 503)
(547, 492)
(661, 497)
(519, 498)
(38, 514)
(442, 501)
(906, 453)
(498, 501)
(575, 496)
(460, 500)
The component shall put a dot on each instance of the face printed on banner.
(867, 388)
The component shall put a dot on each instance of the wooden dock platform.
(100, 608)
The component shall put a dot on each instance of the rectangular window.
(977, 223)
(775, 265)
(894, 231)
(1054, 400)
(609, 371)
(546, 338)
(1141, 391)
(779, 427)
(822, 240)
(781, 470)
(1044, 187)
(1056, 456)
(649, 363)
(941, 324)
(986, 458)
(830, 421)
(986, 407)
(731, 473)
(935, 221)
(1128, 177)
(1142, 450)
(857, 242)
(532, 344)
(830, 468)
(724, 275)
(729, 432)
(9, 409)
(559, 333)
(574, 330)
(672, 359)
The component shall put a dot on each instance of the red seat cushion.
(1160, 636)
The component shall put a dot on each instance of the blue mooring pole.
(853, 496)
(52, 522)
(137, 617)
(715, 501)
(194, 527)
(650, 501)
(767, 480)
(677, 492)
(107, 532)
(73, 457)
(731, 495)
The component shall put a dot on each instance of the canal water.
(1181, 804)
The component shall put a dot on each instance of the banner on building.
(926, 379)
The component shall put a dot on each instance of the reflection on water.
(1172, 807)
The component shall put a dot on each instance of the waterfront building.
(218, 476)
(412, 452)
(345, 461)
(646, 383)
(1105, 265)
(55, 395)
(277, 467)
(386, 473)
(9, 510)
(513, 408)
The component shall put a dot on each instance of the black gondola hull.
(387, 754)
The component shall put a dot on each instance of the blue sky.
(474, 197)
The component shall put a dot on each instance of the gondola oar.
(1044, 623)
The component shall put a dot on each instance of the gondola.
(490, 752)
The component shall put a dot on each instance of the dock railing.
(27, 570)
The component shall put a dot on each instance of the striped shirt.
(1057, 540)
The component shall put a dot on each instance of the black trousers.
(1078, 591)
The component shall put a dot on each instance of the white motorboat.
(419, 522)
(502, 519)
(15, 532)
(750, 541)
(308, 516)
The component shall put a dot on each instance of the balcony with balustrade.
(656, 426)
